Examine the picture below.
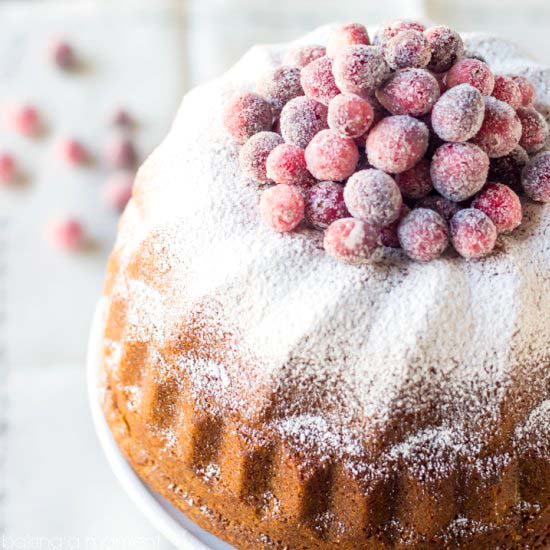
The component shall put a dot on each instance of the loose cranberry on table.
(287, 164)
(318, 82)
(408, 49)
(527, 90)
(324, 204)
(501, 204)
(474, 72)
(351, 241)
(282, 207)
(507, 90)
(447, 48)
(507, 169)
(280, 85)
(300, 56)
(254, 153)
(247, 114)
(423, 235)
(301, 119)
(535, 178)
(409, 92)
(117, 191)
(72, 152)
(393, 28)
(534, 129)
(473, 234)
(63, 54)
(121, 153)
(346, 35)
(397, 143)
(416, 182)
(349, 115)
(65, 234)
(25, 120)
(459, 170)
(444, 207)
(388, 234)
(7, 168)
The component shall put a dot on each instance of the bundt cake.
(284, 399)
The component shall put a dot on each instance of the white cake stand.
(169, 521)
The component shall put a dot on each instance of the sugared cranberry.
(331, 157)
(7, 168)
(287, 164)
(351, 241)
(409, 92)
(473, 233)
(25, 120)
(444, 207)
(282, 207)
(117, 191)
(415, 182)
(507, 90)
(324, 204)
(121, 153)
(280, 85)
(63, 54)
(408, 49)
(447, 48)
(500, 131)
(397, 143)
(474, 72)
(526, 89)
(65, 234)
(318, 81)
(346, 35)
(393, 28)
(349, 115)
(360, 70)
(301, 119)
(423, 234)
(459, 170)
(300, 56)
(534, 129)
(253, 155)
(458, 114)
(507, 169)
(373, 196)
(247, 114)
(501, 204)
(72, 152)
(388, 234)
(535, 178)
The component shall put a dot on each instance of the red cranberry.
(507, 169)
(349, 115)
(389, 30)
(473, 233)
(397, 143)
(501, 204)
(63, 55)
(447, 48)
(282, 207)
(474, 72)
(121, 153)
(415, 182)
(117, 191)
(281, 85)
(526, 89)
(331, 157)
(346, 35)
(247, 114)
(350, 240)
(444, 207)
(360, 70)
(65, 234)
(458, 114)
(508, 91)
(408, 49)
(300, 56)
(409, 92)
(535, 178)
(72, 152)
(318, 81)
(325, 204)
(388, 234)
(253, 155)
(7, 168)
(301, 119)
(287, 164)
(423, 235)
(25, 120)
(534, 129)
(501, 129)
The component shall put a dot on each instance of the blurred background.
(133, 61)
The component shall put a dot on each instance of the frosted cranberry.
(350, 240)
(507, 90)
(407, 49)
(474, 72)
(393, 28)
(409, 92)
(65, 234)
(535, 178)
(117, 191)
(122, 119)
(501, 204)
(349, 115)
(280, 85)
(501, 129)
(527, 90)
(534, 129)
(423, 235)
(254, 153)
(247, 114)
(63, 54)
(72, 152)
(507, 169)
(325, 204)
(458, 114)
(388, 234)
(331, 157)
(397, 143)
(346, 35)
(7, 168)
(318, 81)
(459, 170)
(415, 182)
(360, 70)
(300, 56)
(473, 234)
(282, 207)
(447, 48)
(121, 153)
(444, 207)
(301, 119)
(25, 120)
(287, 164)
(373, 196)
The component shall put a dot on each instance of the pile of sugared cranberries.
(406, 142)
